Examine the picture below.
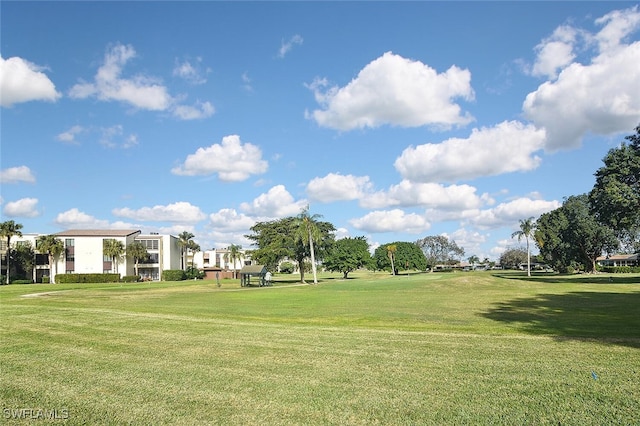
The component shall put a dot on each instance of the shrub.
(130, 278)
(173, 275)
(86, 278)
(194, 273)
(22, 282)
(45, 279)
(287, 268)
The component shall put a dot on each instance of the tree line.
(603, 221)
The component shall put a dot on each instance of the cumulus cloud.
(286, 46)
(228, 220)
(555, 52)
(431, 195)
(180, 212)
(22, 81)
(396, 91)
(337, 187)
(507, 147)
(17, 175)
(597, 97)
(74, 218)
(25, 207)
(276, 203)
(391, 221)
(143, 92)
(509, 213)
(232, 160)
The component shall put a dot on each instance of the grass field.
(463, 348)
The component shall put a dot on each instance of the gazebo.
(257, 271)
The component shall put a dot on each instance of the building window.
(69, 242)
(150, 244)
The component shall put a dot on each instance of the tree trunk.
(528, 259)
(313, 259)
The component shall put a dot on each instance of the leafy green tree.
(439, 250)
(53, 247)
(571, 234)
(615, 197)
(184, 242)
(10, 229)
(513, 257)
(24, 260)
(406, 256)
(114, 249)
(347, 255)
(527, 228)
(278, 240)
(138, 252)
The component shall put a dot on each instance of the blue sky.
(392, 120)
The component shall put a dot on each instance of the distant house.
(619, 260)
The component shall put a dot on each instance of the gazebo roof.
(253, 269)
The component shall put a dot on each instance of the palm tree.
(114, 249)
(306, 232)
(234, 254)
(54, 247)
(137, 251)
(391, 250)
(527, 228)
(184, 241)
(9, 229)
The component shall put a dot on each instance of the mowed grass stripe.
(202, 356)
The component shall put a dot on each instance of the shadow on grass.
(609, 318)
(553, 278)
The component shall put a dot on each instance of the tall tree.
(24, 261)
(347, 255)
(10, 229)
(513, 257)
(54, 247)
(115, 249)
(234, 255)
(278, 240)
(406, 255)
(391, 252)
(183, 242)
(571, 234)
(615, 197)
(138, 252)
(307, 232)
(527, 228)
(439, 250)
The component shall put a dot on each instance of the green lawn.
(462, 348)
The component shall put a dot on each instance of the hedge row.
(87, 278)
(174, 275)
(620, 269)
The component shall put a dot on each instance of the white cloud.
(25, 207)
(70, 135)
(507, 147)
(227, 220)
(336, 187)
(391, 221)
(16, 175)
(397, 91)
(276, 203)
(510, 213)
(232, 160)
(408, 194)
(180, 212)
(193, 73)
(555, 53)
(22, 81)
(194, 112)
(74, 218)
(140, 91)
(286, 46)
(598, 97)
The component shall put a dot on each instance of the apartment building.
(84, 253)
